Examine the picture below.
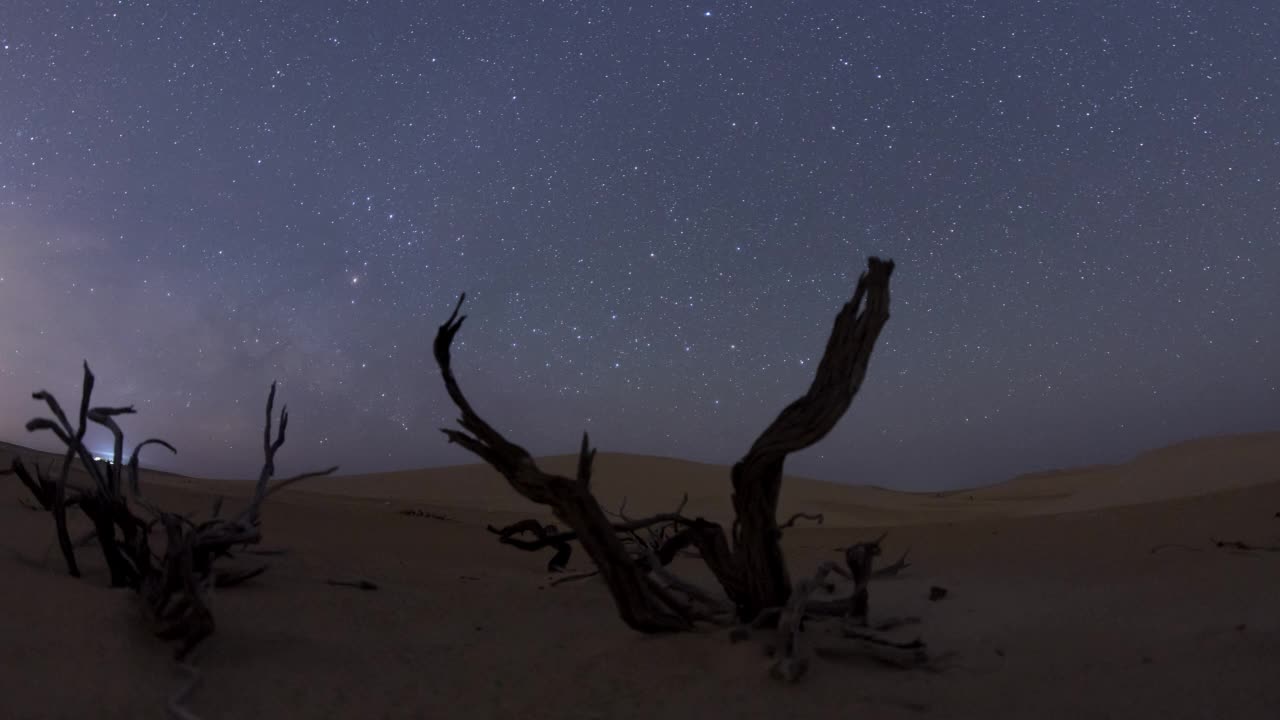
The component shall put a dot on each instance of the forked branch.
(749, 564)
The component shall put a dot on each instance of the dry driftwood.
(792, 649)
(747, 561)
(791, 653)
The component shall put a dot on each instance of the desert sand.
(1073, 594)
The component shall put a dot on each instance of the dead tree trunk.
(757, 477)
(752, 570)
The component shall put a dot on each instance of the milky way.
(656, 211)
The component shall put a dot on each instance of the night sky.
(656, 211)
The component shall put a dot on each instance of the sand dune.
(1058, 606)
(1188, 469)
(656, 484)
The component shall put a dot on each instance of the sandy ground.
(1058, 608)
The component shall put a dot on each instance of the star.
(1082, 253)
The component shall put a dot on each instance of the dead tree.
(175, 584)
(747, 561)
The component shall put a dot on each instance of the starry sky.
(656, 211)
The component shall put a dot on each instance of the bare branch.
(42, 490)
(60, 505)
(133, 462)
(639, 604)
(249, 516)
(105, 416)
(298, 478)
(586, 456)
(509, 459)
(414, 512)
(269, 455)
(791, 521)
(859, 558)
(546, 536)
(71, 437)
(894, 569)
(862, 635)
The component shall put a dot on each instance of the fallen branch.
(177, 704)
(574, 578)
(1244, 547)
(545, 536)
(909, 655)
(791, 652)
(866, 637)
(791, 521)
(1236, 545)
(358, 584)
(228, 578)
(428, 515)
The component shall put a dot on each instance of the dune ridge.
(651, 484)
(655, 484)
